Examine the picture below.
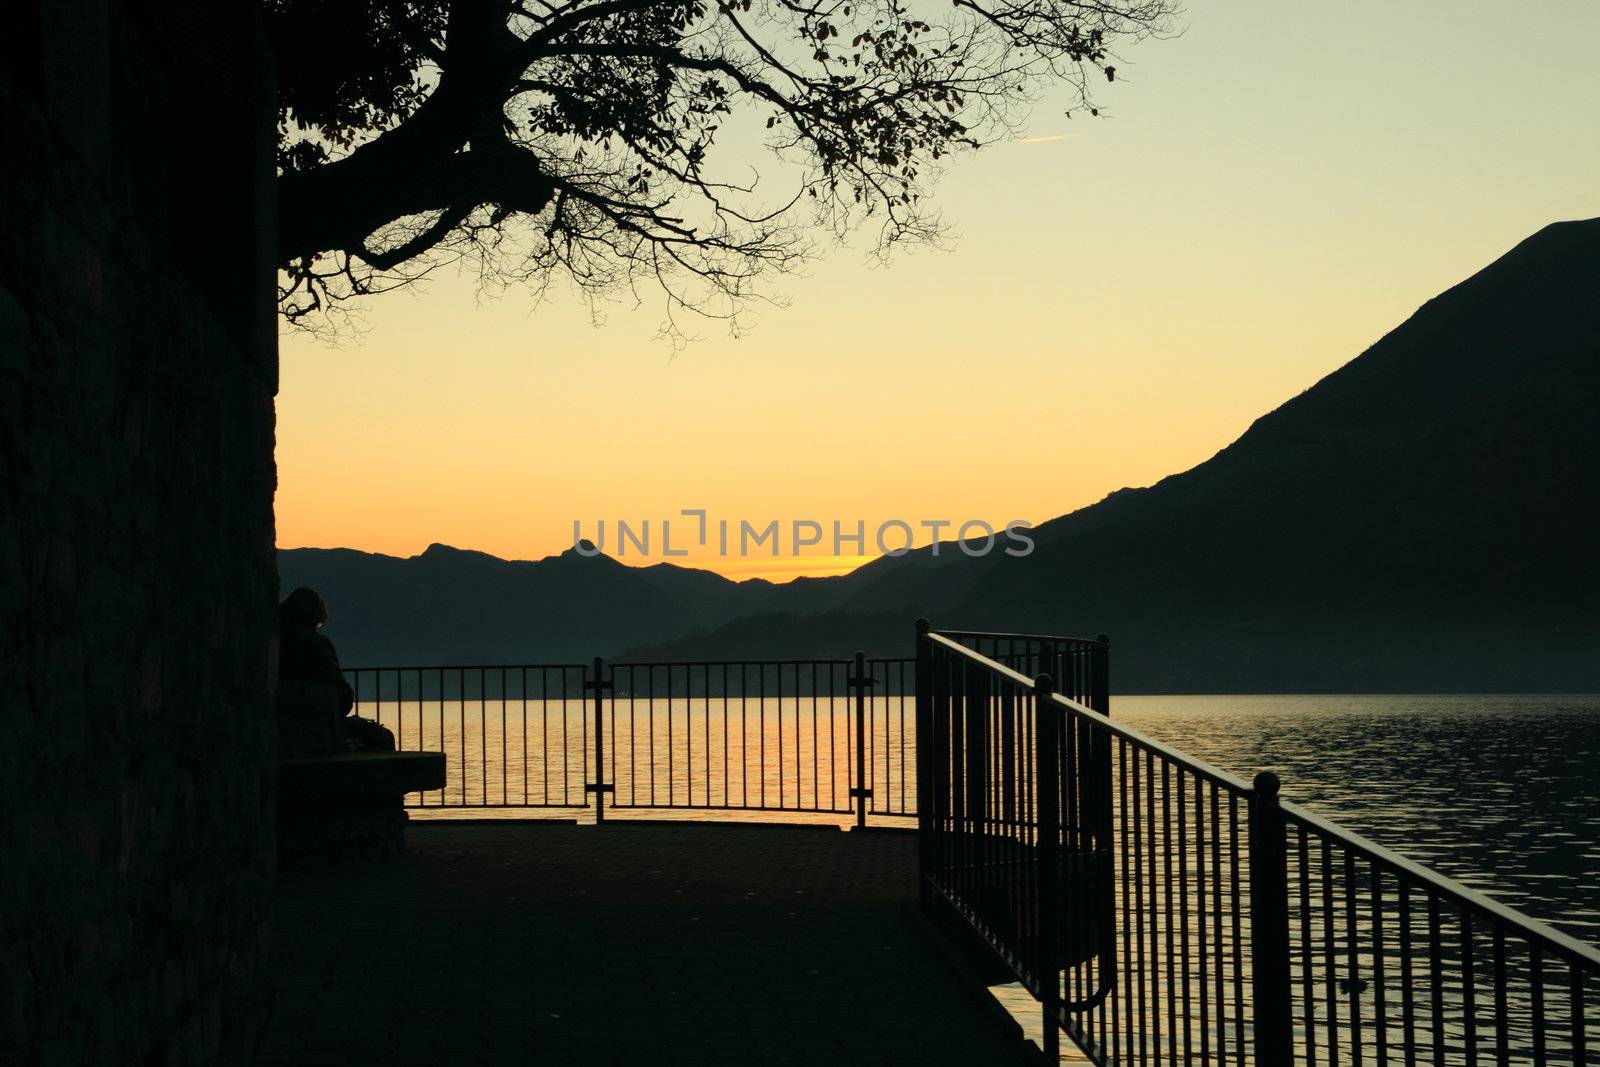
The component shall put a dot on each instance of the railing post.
(1269, 926)
(1048, 800)
(923, 761)
(1100, 747)
(1100, 676)
(599, 787)
(859, 682)
(975, 698)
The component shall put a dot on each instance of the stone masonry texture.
(137, 580)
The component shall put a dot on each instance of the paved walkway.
(629, 943)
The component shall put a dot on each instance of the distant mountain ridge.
(1425, 517)
(451, 605)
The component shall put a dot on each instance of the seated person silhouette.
(314, 698)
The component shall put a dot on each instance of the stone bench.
(348, 807)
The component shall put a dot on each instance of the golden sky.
(1276, 188)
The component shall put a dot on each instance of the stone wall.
(137, 580)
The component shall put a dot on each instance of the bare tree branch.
(587, 139)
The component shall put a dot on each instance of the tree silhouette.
(608, 141)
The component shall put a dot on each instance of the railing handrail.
(1526, 926)
(821, 662)
(1191, 763)
(472, 667)
(631, 663)
(1085, 642)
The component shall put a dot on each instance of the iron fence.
(761, 735)
(513, 736)
(1163, 911)
(1391, 962)
(824, 736)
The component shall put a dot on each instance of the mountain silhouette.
(1423, 518)
(450, 605)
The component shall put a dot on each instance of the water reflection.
(1499, 792)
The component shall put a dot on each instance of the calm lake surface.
(1502, 792)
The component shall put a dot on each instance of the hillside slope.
(1425, 517)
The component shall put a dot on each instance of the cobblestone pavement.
(628, 943)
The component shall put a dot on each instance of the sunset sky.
(1276, 187)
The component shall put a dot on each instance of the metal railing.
(1392, 962)
(513, 736)
(825, 736)
(1163, 911)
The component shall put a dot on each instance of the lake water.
(1501, 792)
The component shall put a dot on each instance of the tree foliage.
(690, 143)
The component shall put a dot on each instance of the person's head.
(303, 607)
